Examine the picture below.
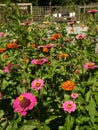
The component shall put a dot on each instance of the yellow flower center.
(21, 98)
(38, 84)
(69, 106)
(90, 64)
(23, 101)
(39, 60)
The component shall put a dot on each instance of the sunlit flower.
(74, 95)
(39, 61)
(2, 49)
(63, 55)
(57, 28)
(12, 45)
(8, 68)
(71, 30)
(68, 85)
(82, 25)
(69, 106)
(24, 102)
(90, 65)
(37, 84)
(46, 22)
(80, 36)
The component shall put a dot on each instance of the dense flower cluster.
(48, 79)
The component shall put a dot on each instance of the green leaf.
(66, 96)
(12, 126)
(50, 119)
(88, 95)
(46, 127)
(96, 98)
(27, 127)
(61, 128)
(92, 110)
(69, 122)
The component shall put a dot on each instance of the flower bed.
(49, 79)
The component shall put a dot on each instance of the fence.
(25, 8)
(83, 11)
(53, 13)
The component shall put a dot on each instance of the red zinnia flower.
(12, 45)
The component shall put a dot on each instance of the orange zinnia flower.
(68, 85)
(76, 71)
(45, 49)
(71, 30)
(68, 39)
(82, 25)
(5, 56)
(55, 36)
(12, 45)
(33, 45)
(2, 50)
(26, 59)
(63, 55)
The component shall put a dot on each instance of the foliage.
(54, 2)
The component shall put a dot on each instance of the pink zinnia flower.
(1, 96)
(24, 102)
(92, 11)
(90, 65)
(8, 68)
(24, 81)
(69, 106)
(1, 34)
(46, 46)
(50, 45)
(70, 23)
(74, 95)
(43, 38)
(37, 84)
(39, 61)
(80, 36)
